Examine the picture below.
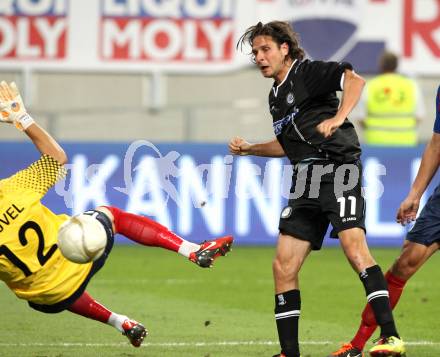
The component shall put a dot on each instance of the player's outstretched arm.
(428, 167)
(239, 146)
(45, 143)
(13, 111)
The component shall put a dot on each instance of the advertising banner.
(33, 31)
(359, 30)
(200, 191)
(200, 35)
(123, 35)
(184, 32)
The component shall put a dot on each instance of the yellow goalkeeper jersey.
(30, 262)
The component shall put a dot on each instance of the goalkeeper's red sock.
(87, 307)
(368, 323)
(145, 231)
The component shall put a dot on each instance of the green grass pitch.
(226, 311)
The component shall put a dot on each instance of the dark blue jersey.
(437, 111)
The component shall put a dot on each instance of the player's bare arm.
(428, 167)
(239, 146)
(352, 90)
(14, 112)
(45, 143)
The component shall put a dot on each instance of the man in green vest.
(393, 106)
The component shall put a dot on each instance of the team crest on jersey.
(290, 98)
(287, 212)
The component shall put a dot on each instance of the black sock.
(378, 297)
(287, 311)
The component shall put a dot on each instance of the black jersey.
(305, 98)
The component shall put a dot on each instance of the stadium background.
(144, 96)
(102, 75)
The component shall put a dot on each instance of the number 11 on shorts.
(342, 200)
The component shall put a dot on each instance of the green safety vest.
(391, 107)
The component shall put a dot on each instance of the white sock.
(116, 321)
(187, 248)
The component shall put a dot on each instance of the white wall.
(126, 107)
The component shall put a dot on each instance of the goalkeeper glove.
(12, 109)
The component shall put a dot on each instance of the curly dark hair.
(280, 31)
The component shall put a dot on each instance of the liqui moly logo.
(171, 31)
(33, 30)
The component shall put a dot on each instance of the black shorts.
(426, 230)
(323, 194)
(96, 266)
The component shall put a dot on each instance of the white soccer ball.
(82, 239)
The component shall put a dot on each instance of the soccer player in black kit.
(312, 130)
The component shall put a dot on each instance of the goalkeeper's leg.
(145, 231)
(86, 306)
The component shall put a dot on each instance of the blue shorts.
(426, 230)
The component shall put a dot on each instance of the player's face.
(270, 57)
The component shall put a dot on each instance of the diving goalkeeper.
(31, 264)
